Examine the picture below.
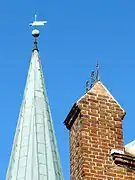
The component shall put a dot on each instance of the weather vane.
(36, 32)
(37, 23)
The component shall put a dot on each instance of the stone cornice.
(124, 160)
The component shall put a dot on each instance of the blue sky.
(78, 34)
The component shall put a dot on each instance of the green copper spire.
(34, 154)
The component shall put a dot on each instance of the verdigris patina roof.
(34, 154)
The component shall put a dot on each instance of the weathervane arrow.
(37, 23)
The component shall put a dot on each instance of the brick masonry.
(96, 130)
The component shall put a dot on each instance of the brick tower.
(96, 138)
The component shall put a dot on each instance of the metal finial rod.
(35, 17)
(35, 45)
(92, 79)
(35, 34)
(97, 72)
(87, 86)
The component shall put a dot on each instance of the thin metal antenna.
(92, 78)
(97, 72)
(87, 86)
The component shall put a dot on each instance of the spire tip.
(35, 34)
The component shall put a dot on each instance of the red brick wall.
(97, 130)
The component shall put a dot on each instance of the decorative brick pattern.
(96, 130)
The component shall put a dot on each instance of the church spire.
(34, 154)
